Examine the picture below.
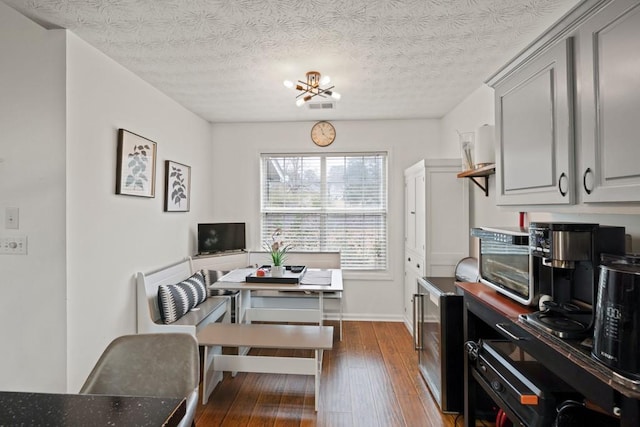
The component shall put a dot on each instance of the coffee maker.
(565, 259)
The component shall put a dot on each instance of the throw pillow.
(174, 301)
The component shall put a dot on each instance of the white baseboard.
(366, 317)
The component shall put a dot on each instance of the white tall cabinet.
(436, 223)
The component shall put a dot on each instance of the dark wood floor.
(369, 379)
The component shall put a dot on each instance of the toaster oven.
(505, 264)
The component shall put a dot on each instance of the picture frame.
(177, 196)
(136, 165)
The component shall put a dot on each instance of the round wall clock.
(323, 133)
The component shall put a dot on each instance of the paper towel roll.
(484, 147)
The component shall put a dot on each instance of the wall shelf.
(481, 172)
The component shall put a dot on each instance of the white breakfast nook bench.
(210, 323)
(213, 309)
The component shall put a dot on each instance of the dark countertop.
(444, 284)
(573, 350)
(45, 409)
(580, 354)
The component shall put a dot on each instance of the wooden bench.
(299, 337)
(213, 309)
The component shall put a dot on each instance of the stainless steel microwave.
(504, 262)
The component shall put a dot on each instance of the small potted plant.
(278, 252)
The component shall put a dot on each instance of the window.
(328, 202)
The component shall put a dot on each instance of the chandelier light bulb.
(288, 84)
(325, 80)
(335, 95)
(300, 102)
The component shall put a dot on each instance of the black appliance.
(525, 390)
(504, 262)
(565, 257)
(221, 237)
(438, 334)
(616, 340)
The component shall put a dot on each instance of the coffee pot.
(616, 339)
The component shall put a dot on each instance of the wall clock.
(323, 133)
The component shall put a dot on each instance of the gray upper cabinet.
(534, 130)
(609, 97)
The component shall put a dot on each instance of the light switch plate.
(13, 245)
(12, 216)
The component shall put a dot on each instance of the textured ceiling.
(225, 60)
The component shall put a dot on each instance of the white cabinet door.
(410, 211)
(534, 119)
(447, 219)
(421, 213)
(414, 211)
(413, 269)
(609, 52)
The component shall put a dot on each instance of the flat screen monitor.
(221, 237)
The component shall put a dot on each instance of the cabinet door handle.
(584, 181)
(562, 175)
(418, 265)
(502, 327)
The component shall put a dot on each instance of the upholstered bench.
(150, 320)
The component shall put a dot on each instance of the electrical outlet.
(13, 245)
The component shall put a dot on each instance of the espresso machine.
(565, 259)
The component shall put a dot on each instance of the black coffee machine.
(565, 259)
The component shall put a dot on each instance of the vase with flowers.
(277, 249)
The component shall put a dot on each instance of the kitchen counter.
(445, 284)
(568, 359)
(46, 409)
(579, 352)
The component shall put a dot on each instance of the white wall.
(111, 237)
(32, 178)
(236, 186)
(74, 292)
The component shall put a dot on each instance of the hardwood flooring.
(369, 379)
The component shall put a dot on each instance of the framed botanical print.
(136, 165)
(178, 187)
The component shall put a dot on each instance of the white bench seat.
(212, 305)
(213, 309)
(299, 337)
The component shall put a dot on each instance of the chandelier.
(312, 87)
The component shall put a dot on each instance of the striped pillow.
(174, 301)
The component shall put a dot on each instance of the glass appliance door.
(430, 361)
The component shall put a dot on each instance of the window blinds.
(328, 202)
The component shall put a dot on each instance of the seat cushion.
(195, 317)
(174, 301)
